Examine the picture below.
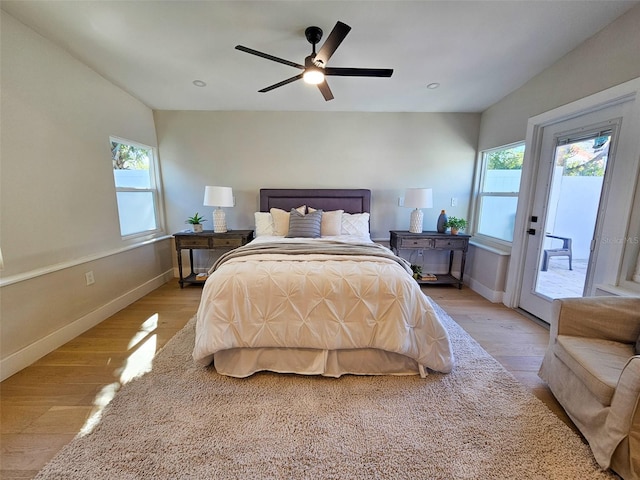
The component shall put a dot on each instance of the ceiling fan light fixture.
(313, 76)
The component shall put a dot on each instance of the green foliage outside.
(591, 158)
(594, 167)
(128, 157)
(508, 159)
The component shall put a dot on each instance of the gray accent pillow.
(304, 226)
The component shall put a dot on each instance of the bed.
(312, 294)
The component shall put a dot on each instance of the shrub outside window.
(501, 169)
(136, 190)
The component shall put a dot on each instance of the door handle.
(531, 231)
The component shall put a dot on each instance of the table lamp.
(417, 198)
(218, 197)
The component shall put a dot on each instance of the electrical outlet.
(89, 277)
(401, 201)
(454, 202)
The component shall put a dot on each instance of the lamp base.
(219, 221)
(415, 226)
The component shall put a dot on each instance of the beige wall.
(385, 152)
(609, 58)
(57, 197)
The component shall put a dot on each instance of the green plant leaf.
(196, 219)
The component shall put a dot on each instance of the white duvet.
(323, 301)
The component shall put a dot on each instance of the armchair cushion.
(610, 318)
(597, 363)
(638, 345)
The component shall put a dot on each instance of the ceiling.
(478, 51)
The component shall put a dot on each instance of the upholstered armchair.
(593, 370)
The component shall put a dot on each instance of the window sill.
(498, 249)
(625, 289)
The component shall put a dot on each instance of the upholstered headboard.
(349, 200)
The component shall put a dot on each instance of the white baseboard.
(493, 296)
(26, 356)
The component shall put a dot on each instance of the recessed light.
(433, 86)
(199, 83)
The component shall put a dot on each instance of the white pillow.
(281, 220)
(355, 224)
(331, 224)
(264, 224)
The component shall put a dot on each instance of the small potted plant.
(456, 224)
(196, 222)
(417, 271)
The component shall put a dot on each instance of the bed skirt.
(243, 362)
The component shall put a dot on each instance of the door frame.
(628, 146)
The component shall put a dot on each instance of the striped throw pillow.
(304, 226)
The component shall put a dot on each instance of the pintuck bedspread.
(317, 297)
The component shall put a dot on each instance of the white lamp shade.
(218, 197)
(418, 198)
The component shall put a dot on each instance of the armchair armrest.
(607, 318)
(623, 420)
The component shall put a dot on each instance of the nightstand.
(404, 240)
(210, 241)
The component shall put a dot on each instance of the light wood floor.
(46, 404)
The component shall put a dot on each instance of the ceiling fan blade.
(332, 42)
(268, 57)
(280, 84)
(359, 72)
(325, 90)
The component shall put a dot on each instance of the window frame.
(481, 169)
(154, 188)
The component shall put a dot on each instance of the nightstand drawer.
(450, 244)
(416, 243)
(227, 242)
(194, 242)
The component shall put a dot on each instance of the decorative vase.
(197, 227)
(442, 221)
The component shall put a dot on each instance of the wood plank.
(46, 404)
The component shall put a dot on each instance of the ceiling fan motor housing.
(313, 34)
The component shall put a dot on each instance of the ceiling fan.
(315, 65)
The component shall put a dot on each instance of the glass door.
(572, 172)
(578, 174)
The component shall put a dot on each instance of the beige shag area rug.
(182, 421)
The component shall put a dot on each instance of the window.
(500, 173)
(136, 190)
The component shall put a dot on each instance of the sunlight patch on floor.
(148, 326)
(139, 362)
(103, 398)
